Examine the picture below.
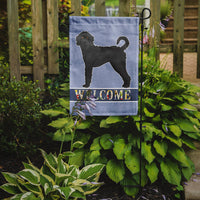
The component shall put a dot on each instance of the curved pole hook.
(143, 18)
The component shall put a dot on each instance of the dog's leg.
(88, 76)
(120, 68)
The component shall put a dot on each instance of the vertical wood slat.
(14, 44)
(124, 8)
(198, 44)
(100, 8)
(178, 46)
(52, 36)
(37, 38)
(76, 7)
(155, 27)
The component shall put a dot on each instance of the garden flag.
(104, 64)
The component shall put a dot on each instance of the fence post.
(14, 44)
(178, 47)
(124, 8)
(76, 7)
(198, 44)
(100, 8)
(37, 38)
(52, 35)
(155, 27)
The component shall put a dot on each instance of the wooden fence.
(45, 34)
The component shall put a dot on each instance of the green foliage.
(54, 180)
(170, 122)
(19, 112)
(26, 49)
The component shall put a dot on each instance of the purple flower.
(81, 114)
(83, 106)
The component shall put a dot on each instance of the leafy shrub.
(170, 123)
(19, 112)
(54, 180)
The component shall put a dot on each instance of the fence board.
(52, 36)
(198, 44)
(14, 44)
(124, 8)
(37, 38)
(76, 7)
(178, 36)
(100, 8)
(155, 27)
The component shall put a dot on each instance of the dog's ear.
(78, 40)
(90, 38)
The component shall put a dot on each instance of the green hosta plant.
(170, 122)
(54, 180)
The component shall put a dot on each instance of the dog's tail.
(126, 42)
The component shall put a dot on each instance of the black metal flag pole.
(141, 84)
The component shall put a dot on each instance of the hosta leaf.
(147, 153)
(191, 100)
(171, 172)
(193, 135)
(84, 125)
(33, 188)
(10, 188)
(185, 106)
(160, 147)
(29, 196)
(120, 148)
(52, 112)
(106, 141)
(61, 165)
(174, 140)
(147, 113)
(175, 130)
(78, 157)
(165, 107)
(46, 182)
(132, 161)
(152, 171)
(188, 171)
(30, 175)
(103, 124)
(62, 122)
(16, 197)
(59, 135)
(64, 103)
(92, 157)
(188, 142)
(65, 191)
(186, 125)
(179, 154)
(115, 170)
(50, 160)
(129, 184)
(174, 87)
(10, 177)
(61, 178)
(95, 146)
(78, 144)
(93, 170)
(114, 119)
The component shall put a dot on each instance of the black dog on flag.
(95, 56)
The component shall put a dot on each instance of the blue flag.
(104, 53)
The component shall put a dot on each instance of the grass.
(114, 3)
